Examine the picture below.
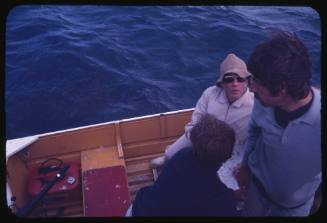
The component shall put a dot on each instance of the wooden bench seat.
(105, 190)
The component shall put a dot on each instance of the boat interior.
(112, 160)
(112, 164)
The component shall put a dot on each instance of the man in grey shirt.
(281, 168)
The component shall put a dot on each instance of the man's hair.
(212, 140)
(282, 59)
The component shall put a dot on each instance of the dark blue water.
(69, 66)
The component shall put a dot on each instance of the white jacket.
(237, 115)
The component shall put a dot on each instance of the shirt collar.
(309, 117)
(314, 111)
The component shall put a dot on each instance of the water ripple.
(68, 66)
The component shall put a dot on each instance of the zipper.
(226, 113)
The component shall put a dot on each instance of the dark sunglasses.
(230, 79)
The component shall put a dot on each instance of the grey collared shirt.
(286, 160)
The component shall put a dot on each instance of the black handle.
(24, 211)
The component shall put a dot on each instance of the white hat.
(233, 64)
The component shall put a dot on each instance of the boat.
(111, 160)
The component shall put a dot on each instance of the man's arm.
(243, 173)
(252, 136)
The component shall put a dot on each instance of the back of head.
(212, 139)
(283, 59)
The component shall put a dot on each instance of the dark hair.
(212, 140)
(282, 60)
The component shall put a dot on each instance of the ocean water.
(70, 66)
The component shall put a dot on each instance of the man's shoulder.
(261, 112)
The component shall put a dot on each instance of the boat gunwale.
(14, 145)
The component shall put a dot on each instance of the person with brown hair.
(188, 184)
(281, 169)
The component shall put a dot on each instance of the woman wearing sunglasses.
(230, 101)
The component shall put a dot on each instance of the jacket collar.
(238, 103)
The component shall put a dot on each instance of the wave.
(68, 66)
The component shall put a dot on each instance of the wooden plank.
(146, 148)
(142, 158)
(17, 179)
(137, 167)
(162, 118)
(68, 211)
(140, 130)
(65, 204)
(100, 158)
(105, 192)
(74, 157)
(118, 141)
(67, 142)
(139, 174)
(140, 178)
(175, 124)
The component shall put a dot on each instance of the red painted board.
(105, 192)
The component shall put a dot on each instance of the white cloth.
(214, 101)
(129, 212)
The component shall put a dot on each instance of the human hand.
(242, 175)
(240, 194)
